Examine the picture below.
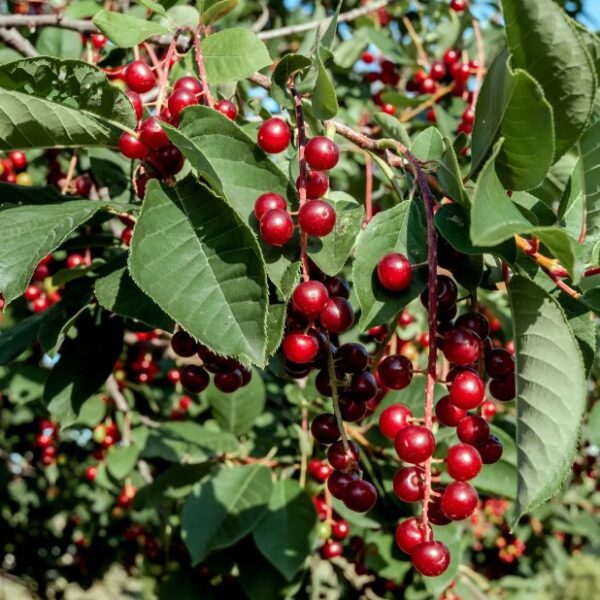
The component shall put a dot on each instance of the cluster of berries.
(47, 441)
(13, 169)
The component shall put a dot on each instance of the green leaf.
(30, 232)
(589, 148)
(512, 106)
(593, 425)
(293, 517)
(193, 256)
(46, 102)
(450, 176)
(62, 43)
(330, 253)
(117, 292)
(571, 211)
(275, 325)
(84, 365)
(26, 383)
(399, 229)
(183, 16)
(224, 508)
(291, 63)
(236, 168)
(19, 337)
(217, 11)
(153, 6)
(233, 54)
(551, 390)
(237, 412)
(121, 460)
(126, 31)
(392, 128)
(324, 98)
(428, 145)
(543, 42)
(328, 36)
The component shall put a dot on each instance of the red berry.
(126, 235)
(459, 500)
(463, 462)
(409, 534)
(152, 134)
(191, 84)
(352, 411)
(363, 387)
(18, 160)
(139, 77)
(490, 450)
(451, 56)
(319, 470)
(447, 292)
(131, 147)
(184, 344)
(316, 184)
(340, 459)
(467, 390)
(136, 101)
(324, 429)
(228, 381)
(499, 363)
(430, 558)
(447, 413)
(367, 57)
(321, 153)
(337, 482)
(266, 202)
(331, 549)
(414, 444)
(360, 496)
(336, 286)
(472, 430)
(409, 484)
(503, 389)
(437, 71)
(75, 260)
(167, 160)
(185, 402)
(351, 358)
(460, 72)
(310, 298)
(340, 530)
(316, 218)
(98, 40)
(179, 100)
(194, 379)
(337, 316)
(300, 348)
(227, 108)
(468, 115)
(388, 109)
(274, 135)
(488, 410)
(458, 5)
(461, 346)
(276, 227)
(83, 185)
(395, 372)
(90, 472)
(32, 292)
(476, 322)
(429, 86)
(394, 272)
(40, 304)
(393, 419)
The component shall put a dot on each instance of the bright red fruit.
(227, 108)
(459, 500)
(316, 184)
(337, 316)
(395, 371)
(340, 530)
(463, 462)
(461, 346)
(321, 153)
(394, 272)
(409, 484)
(276, 227)
(409, 534)
(139, 77)
(98, 40)
(152, 134)
(467, 390)
(18, 160)
(331, 549)
(447, 413)
(430, 558)
(458, 5)
(310, 298)
(274, 135)
(316, 218)
(300, 348)
(131, 147)
(191, 84)
(179, 100)
(451, 56)
(136, 100)
(319, 470)
(268, 201)
(393, 419)
(340, 459)
(472, 430)
(360, 496)
(414, 444)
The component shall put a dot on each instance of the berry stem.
(303, 170)
(164, 76)
(334, 397)
(201, 68)
(391, 331)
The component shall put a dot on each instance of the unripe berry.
(321, 153)
(274, 136)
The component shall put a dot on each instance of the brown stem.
(409, 113)
(414, 36)
(368, 187)
(70, 172)
(201, 67)
(164, 77)
(335, 398)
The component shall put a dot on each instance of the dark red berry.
(179, 100)
(309, 298)
(331, 549)
(336, 286)
(409, 484)
(393, 419)
(351, 358)
(274, 135)
(152, 134)
(437, 71)
(227, 108)
(451, 56)
(395, 372)
(300, 348)
(228, 381)
(430, 558)
(459, 500)
(184, 344)
(461, 346)
(463, 462)
(167, 160)
(414, 444)
(139, 77)
(476, 322)
(447, 413)
(136, 101)
(337, 316)
(460, 72)
(340, 530)
(490, 450)
(499, 363)
(324, 429)
(317, 218)
(194, 379)
(316, 184)
(321, 153)
(276, 227)
(352, 411)
(503, 389)
(191, 84)
(131, 147)
(367, 57)
(467, 390)
(458, 5)
(360, 496)
(472, 430)
(337, 482)
(83, 185)
(468, 115)
(363, 387)
(394, 272)
(428, 86)
(409, 534)
(340, 459)
(447, 293)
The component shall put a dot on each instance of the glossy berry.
(468, 115)
(300, 348)
(336, 286)
(83, 185)
(451, 56)
(461, 346)
(414, 444)
(179, 100)
(437, 71)
(394, 272)
(467, 390)
(321, 153)
(337, 482)
(340, 459)
(463, 462)
(490, 450)
(363, 387)
(274, 136)
(459, 500)
(324, 429)
(395, 371)
(316, 184)
(367, 57)
(460, 72)
(409, 534)
(360, 496)
(340, 530)
(499, 363)
(430, 558)
(337, 316)
(90, 472)
(167, 160)
(266, 202)
(191, 84)
(351, 358)
(152, 135)
(316, 218)
(194, 379)
(136, 101)
(319, 470)
(428, 86)
(458, 5)
(276, 227)
(472, 430)
(476, 322)
(447, 293)
(447, 413)
(184, 344)
(393, 419)
(352, 411)
(18, 160)
(75, 260)
(32, 292)
(131, 147)
(227, 108)
(228, 381)
(139, 77)
(331, 549)
(309, 298)
(98, 40)
(409, 484)
(503, 389)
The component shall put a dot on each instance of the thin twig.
(368, 187)
(201, 68)
(414, 36)
(409, 113)
(12, 38)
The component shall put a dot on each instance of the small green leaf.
(121, 460)
(324, 98)
(289, 65)
(126, 31)
(19, 337)
(589, 149)
(392, 128)
(217, 11)
(428, 145)
(450, 176)
(153, 6)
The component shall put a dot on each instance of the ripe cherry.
(32, 292)
(395, 371)
(319, 470)
(336, 286)
(98, 40)
(461, 346)
(393, 419)
(409, 534)
(331, 549)
(503, 389)
(428, 86)
(131, 147)
(352, 411)
(363, 387)
(321, 153)
(463, 462)
(394, 272)
(459, 500)
(340, 459)
(316, 184)
(458, 5)
(447, 413)
(317, 218)
(476, 322)
(274, 135)
(430, 558)
(388, 109)
(467, 390)
(367, 57)
(490, 450)
(152, 134)
(499, 363)
(338, 481)
(409, 484)
(324, 429)
(40, 304)
(90, 472)
(266, 202)
(139, 77)
(83, 185)
(468, 115)
(179, 100)
(460, 72)
(351, 358)
(414, 444)
(309, 298)
(451, 56)
(194, 379)
(136, 100)
(437, 71)
(300, 348)
(183, 344)
(228, 381)
(337, 316)
(340, 530)
(227, 108)
(75, 260)
(447, 293)
(360, 496)
(276, 227)
(472, 430)
(191, 84)
(18, 160)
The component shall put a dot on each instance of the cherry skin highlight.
(394, 272)
(274, 136)
(300, 348)
(393, 419)
(463, 462)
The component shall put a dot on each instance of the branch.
(58, 20)
(15, 40)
